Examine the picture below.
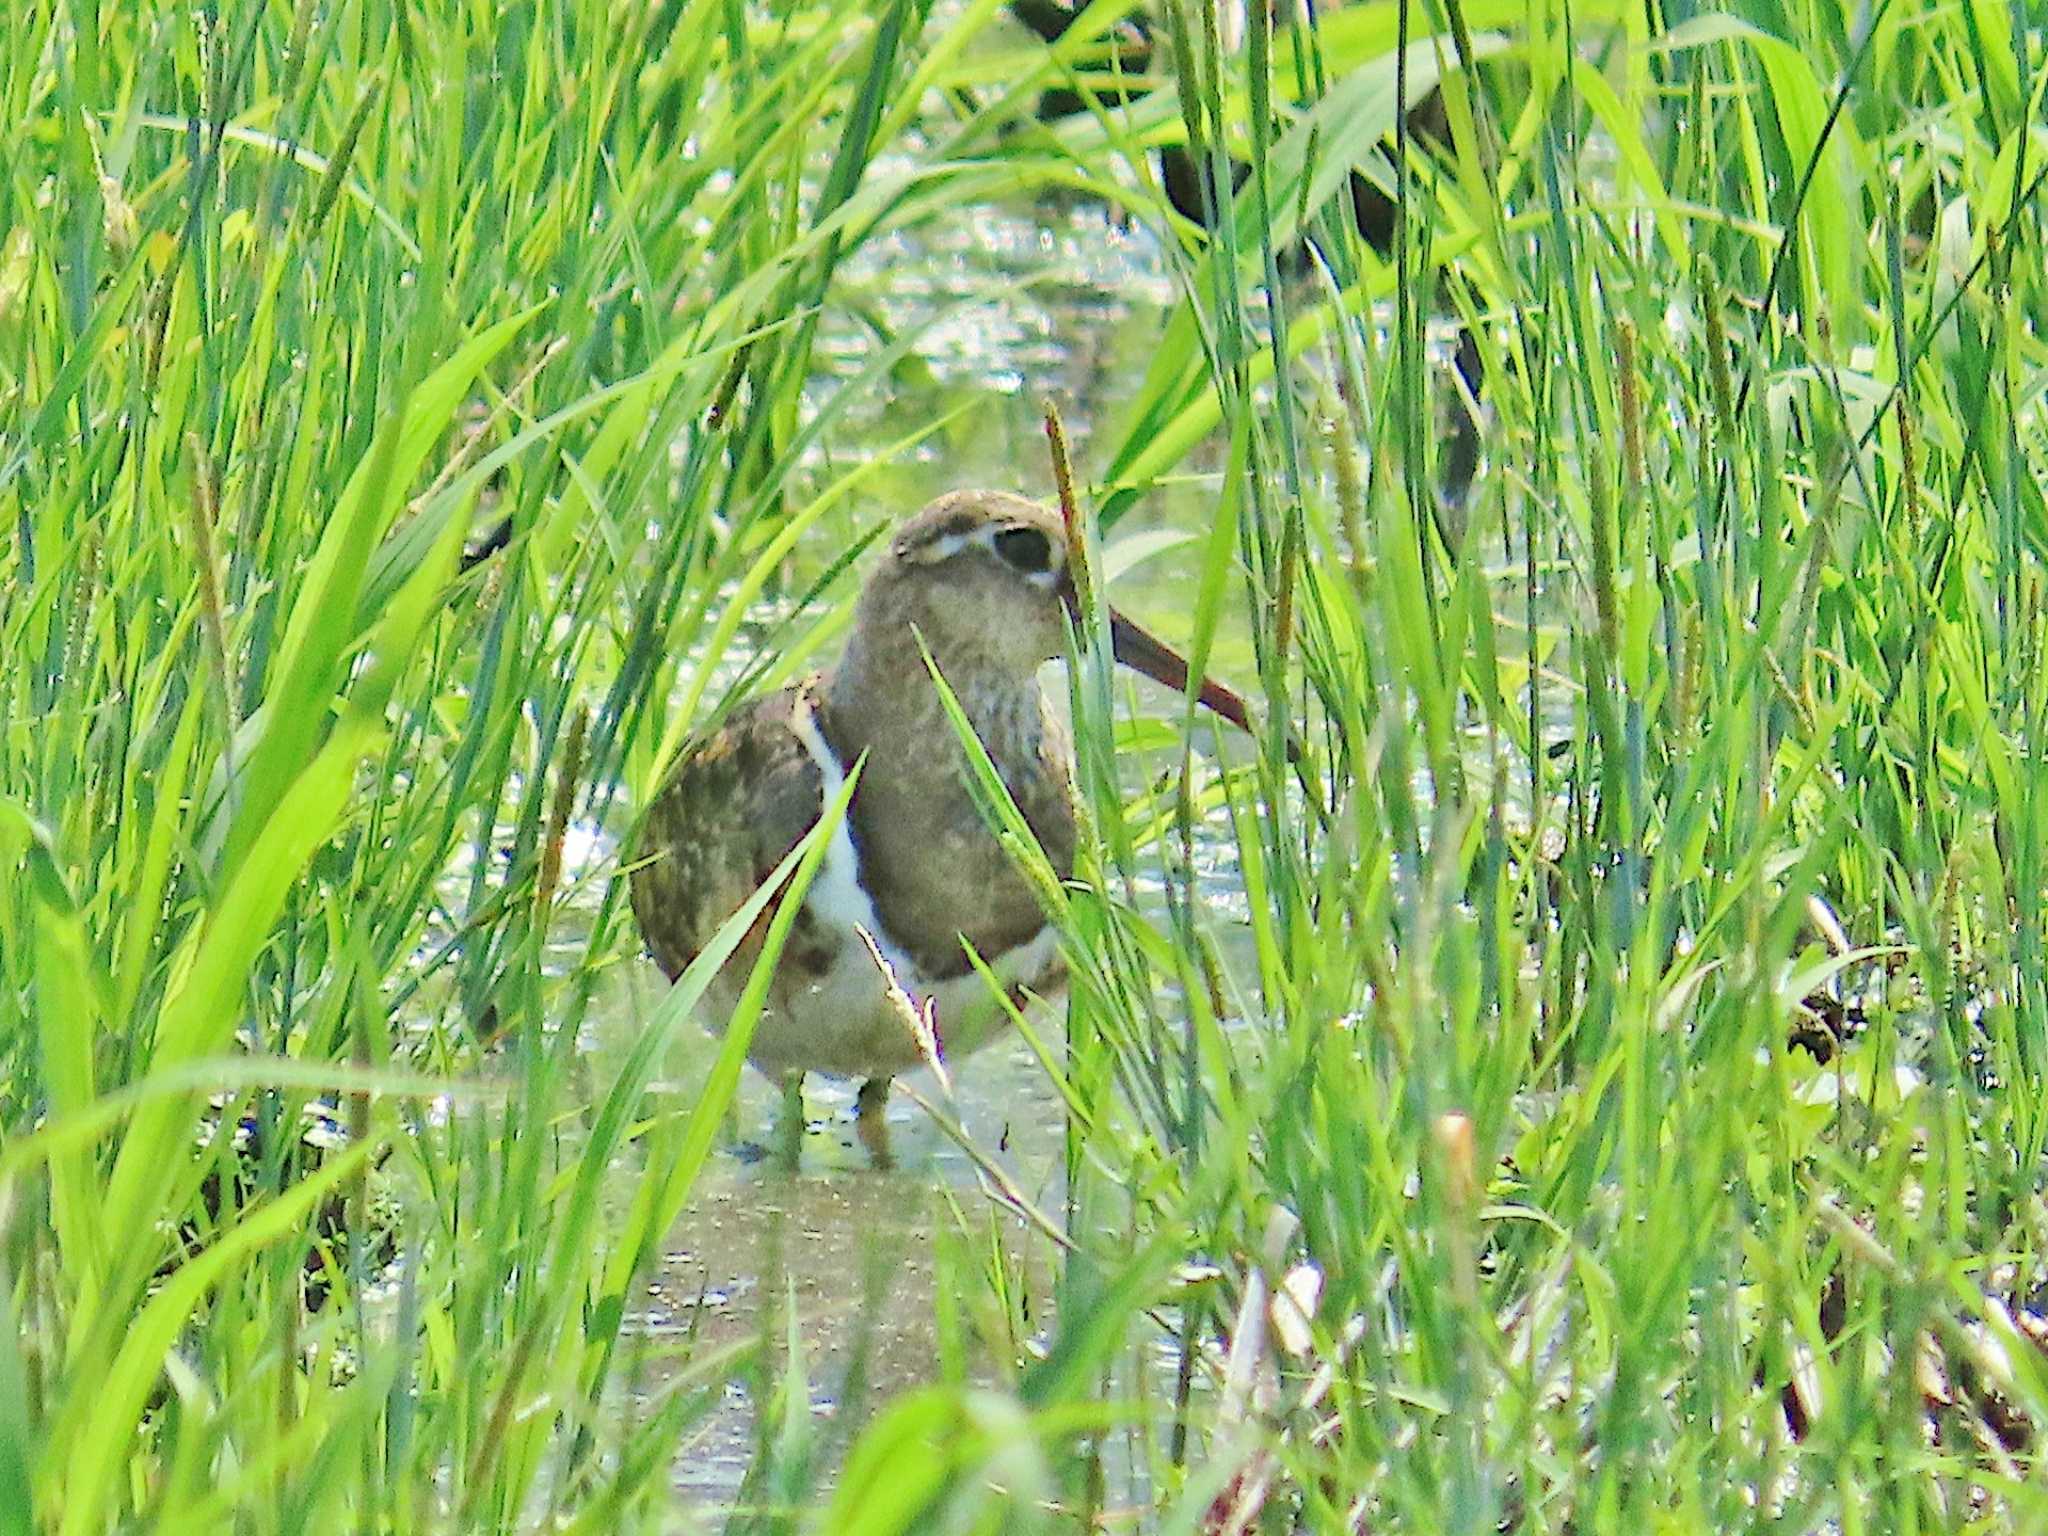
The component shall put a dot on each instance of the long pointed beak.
(1142, 651)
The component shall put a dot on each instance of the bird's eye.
(1025, 549)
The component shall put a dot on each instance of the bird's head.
(984, 578)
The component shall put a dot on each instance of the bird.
(1121, 74)
(980, 581)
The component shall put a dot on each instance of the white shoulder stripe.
(835, 895)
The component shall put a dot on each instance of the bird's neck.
(881, 700)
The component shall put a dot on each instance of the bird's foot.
(871, 1120)
(789, 1129)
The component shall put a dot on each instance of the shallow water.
(844, 1245)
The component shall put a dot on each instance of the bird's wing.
(737, 801)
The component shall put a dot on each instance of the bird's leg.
(790, 1140)
(871, 1119)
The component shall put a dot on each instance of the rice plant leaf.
(1799, 106)
(894, 1473)
(84, 355)
(69, 1018)
(141, 929)
(200, 1011)
(105, 1438)
(18, 1440)
(621, 1101)
(322, 625)
(1623, 126)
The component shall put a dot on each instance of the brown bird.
(982, 577)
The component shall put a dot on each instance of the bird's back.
(741, 797)
(736, 802)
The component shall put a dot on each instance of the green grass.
(1718, 704)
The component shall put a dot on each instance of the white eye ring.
(936, 551)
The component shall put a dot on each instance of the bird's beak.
(1142, 651)
(1145, 652)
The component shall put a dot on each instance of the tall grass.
(1474, 1181)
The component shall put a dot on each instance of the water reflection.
(851, 1248)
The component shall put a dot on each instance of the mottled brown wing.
(731, 809)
